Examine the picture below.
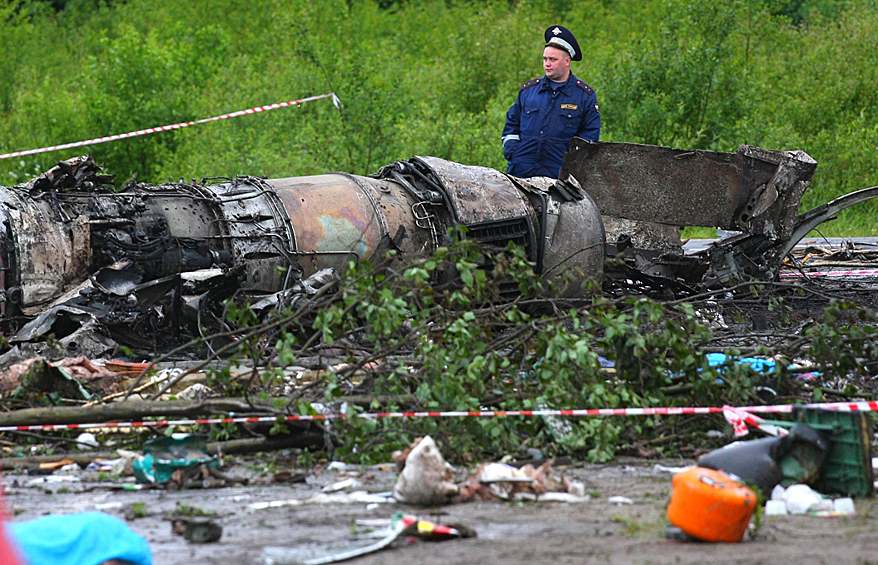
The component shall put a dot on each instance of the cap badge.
(556, 31)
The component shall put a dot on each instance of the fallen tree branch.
(128, 411)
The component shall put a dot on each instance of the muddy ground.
(594, 530)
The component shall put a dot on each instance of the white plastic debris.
(801, 498)
(71, 469)
(86, 440)
(619, 500)
(778, 493)
(672, 470)
(843, 506)
(108, 506)
(548, 497)
(576, 488)
(103, 465)
(337, 466)
(359, 496)
(775, 508)
(341, 485)
(196, 391)
(53, 479)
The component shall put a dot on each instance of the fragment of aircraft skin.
(755, 191)
(60, 229)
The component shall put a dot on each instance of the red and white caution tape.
(374, 415)
(850, 273)
(740, 413)
(147, 131)
(739, 419)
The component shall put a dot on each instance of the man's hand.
(509, 148)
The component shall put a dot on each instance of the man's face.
(556, 63)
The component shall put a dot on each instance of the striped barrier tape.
(147, 131)
(739, 418)
(832, 274)
(742, 413)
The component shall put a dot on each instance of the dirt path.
(591, 531)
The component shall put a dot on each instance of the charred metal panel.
(644, 235)
(478, 195)
(49, 249)
(659, 184)
(690, 188)
(487, 202)
(571, 233)
(575, 241)
(774, 204)
(258, 232)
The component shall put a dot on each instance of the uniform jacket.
(541, 123)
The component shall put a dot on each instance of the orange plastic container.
(710, 505)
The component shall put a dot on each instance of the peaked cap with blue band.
(562, 38)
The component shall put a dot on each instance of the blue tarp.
(89, 538)
(758, 365)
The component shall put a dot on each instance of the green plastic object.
(848, 466)
(165, 455)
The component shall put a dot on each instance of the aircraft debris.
(151, 265)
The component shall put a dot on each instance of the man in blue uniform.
(550, 111)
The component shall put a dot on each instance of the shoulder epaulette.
(529, 84)
(584, 87)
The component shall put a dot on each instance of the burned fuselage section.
(142, 259)
(142, 262)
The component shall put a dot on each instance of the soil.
(594, 530)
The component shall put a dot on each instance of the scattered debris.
(425, 478)
(197, 530)
(794, 458)
(493, 481)
(388, 532)
(175, 460)
(149, 267)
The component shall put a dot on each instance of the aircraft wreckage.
(75, 254)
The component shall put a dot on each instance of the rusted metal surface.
(341, 217)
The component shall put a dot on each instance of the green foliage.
(470, 352)
(845, 343)
(682, 85)
(436, 78)
(431, 78)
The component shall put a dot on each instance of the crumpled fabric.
(89, 538)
